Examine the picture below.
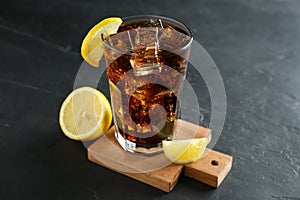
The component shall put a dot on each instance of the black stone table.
(256, 45)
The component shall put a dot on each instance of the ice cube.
(122, 41)
(155, 23)
(145, 61)
(145, 37)
(170, 39)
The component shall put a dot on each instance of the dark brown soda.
(145, 106)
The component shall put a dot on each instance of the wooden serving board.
(157, 170)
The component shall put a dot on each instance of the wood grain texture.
(108, 153)
(132, 165)
(164, 179)
(212, 169)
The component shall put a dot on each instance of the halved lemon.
(185, 151)
(85, 114)
(92, 48)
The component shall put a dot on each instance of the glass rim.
(133, 18)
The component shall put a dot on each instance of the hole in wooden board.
(214, 163)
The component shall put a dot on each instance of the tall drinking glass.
(146, 66)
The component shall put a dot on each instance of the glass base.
(134, 148)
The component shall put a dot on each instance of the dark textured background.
(256, 45)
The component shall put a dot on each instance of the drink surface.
(145, 77)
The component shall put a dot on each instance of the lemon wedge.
(92, 48)
(185, 151)
(85, 114)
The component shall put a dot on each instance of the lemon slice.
(85, 114)
(185, 151)
(92, 48)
